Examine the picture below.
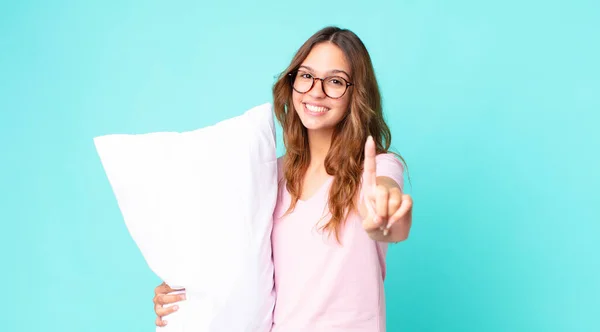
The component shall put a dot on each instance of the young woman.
(340, 196)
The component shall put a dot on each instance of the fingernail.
(182, 297)
(175, 308)
(165, 323)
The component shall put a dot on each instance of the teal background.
(494, 104)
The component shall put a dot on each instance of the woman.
(340, 199)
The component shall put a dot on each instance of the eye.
(305, 75)
(336, 81)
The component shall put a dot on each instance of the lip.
(309, 112)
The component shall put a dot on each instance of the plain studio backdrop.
(494, 104)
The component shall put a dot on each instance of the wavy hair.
(346, 155)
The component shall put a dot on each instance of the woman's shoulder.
(280, 168)
(390, 165)
(389, 157)
(280, 161)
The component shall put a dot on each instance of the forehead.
(325, 58)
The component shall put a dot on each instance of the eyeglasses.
(333, 86)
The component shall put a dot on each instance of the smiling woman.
(340, 197)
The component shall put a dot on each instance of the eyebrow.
(334, 71)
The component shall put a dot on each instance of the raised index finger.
(370, 165)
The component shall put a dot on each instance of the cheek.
(343, 104)
(297, 100)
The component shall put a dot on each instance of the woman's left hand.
(388, 210)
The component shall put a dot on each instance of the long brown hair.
(345, 157)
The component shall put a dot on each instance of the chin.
(317, 127)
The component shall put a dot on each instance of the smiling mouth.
(316, 109)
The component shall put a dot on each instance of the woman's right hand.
(162, 297)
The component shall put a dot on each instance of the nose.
(317, 89)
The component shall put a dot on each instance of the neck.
(319, 143)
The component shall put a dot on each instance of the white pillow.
(199, 206)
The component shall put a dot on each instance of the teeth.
(317, 109)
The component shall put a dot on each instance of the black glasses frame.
(292, 80)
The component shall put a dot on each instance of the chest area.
(313, 184)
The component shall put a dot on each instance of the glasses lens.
(303, 82)
(334, 86)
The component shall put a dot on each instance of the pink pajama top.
(322, 285)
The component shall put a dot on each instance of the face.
(317, 110)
